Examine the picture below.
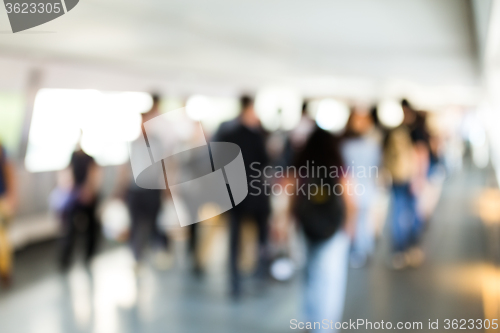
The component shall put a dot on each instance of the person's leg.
(159, 234)
(416, 220)
(69, 236)
(139, 230)
(401, 224)
(93, 229)
(5, 254)
(368, 231)
(362, 245)
(334, 260)
(263, 234)
(235, 218)
(310, 276)
(414, 253)
(411, 219)
(194, 230)
(326, 281)
(400, 217)
(193, 238)
(162, 258)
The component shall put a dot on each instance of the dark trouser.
(194, 234)
(144, 208)
(406, 222)
(79, 218)
(236, 218)
(193, 239)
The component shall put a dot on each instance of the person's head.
(155, 108)
(156, 102)
(360, 121)
(304, 108)
(248, 116)
(321, 148)
(409, 113)
(374, 115)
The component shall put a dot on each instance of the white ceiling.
(315, 46)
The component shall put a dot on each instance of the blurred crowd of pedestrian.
(338, 228)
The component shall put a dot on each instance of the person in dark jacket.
(245, 131)
(80, 211)
(145, 205)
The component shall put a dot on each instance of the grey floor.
(110, 297)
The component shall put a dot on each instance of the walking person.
(403, 159)
(145, 204)
(245, 131)
(326, 216)
(79, 213)
(363, 154)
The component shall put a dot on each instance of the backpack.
(398, 156)
(322, 214)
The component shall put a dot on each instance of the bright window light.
(278, 108)
(199, 107)
(332, 115)
(171, 104)
(390, 113)
(211, 111)
(11, 120)
(107, 120)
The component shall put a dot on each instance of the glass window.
(11, 120)
(103, 123)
